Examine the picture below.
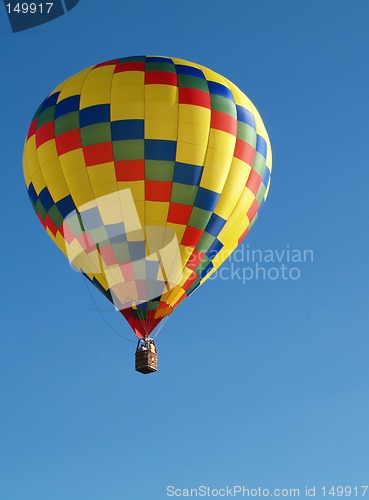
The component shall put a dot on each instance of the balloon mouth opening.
(144, 320)
(156, 310)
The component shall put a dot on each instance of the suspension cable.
(103, 317)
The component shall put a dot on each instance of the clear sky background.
(259, 384)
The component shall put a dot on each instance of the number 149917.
(32, 8)
(344, 491)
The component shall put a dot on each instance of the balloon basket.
(146, 357)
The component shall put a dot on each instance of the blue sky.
(260, 384)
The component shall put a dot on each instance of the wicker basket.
(146, 361)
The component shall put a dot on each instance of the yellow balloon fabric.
(147, 172)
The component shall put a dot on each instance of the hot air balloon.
(147, 172)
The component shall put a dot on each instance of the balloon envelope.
(147, 172)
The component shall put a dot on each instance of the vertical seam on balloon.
(143, 224)
(171, 188)
(84, 161)
(37, 155)
(236, 230)
(231, 162)
(170, 295)
(92, 190)
(144, 184)
(207, 145)
(115, 172)
(203, 167)
(115, 282)
(57, 156)
(89, 180)
(152, 322)
(225, 81)
(230, 166)
(235, 206)
(79, 129)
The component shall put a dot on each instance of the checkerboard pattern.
(188, 144)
